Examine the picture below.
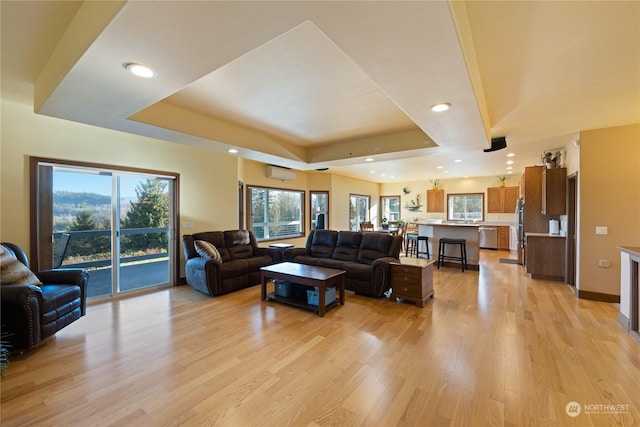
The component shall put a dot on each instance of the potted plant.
(435, 182)
(502, 180)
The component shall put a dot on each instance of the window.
(358, 210)
(390, 208)
(465, 207)
(275, 213)
(319, 205)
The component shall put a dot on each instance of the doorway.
(117, 223)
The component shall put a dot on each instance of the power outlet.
(187, 225)
(602, 230)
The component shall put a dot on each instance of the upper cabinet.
(554, 191)
(435, 200)
(502, 199)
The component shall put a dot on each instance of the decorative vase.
(435, 187)
(502, 184)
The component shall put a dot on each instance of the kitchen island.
(468, 231)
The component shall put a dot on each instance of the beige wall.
(208, 180)
(609, 195)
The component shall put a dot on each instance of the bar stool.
(413, 245)
(463, 252)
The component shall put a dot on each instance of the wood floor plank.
(492, 348)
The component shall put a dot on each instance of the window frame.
(368, 216)
(449, 210)
(384, 214)
(249, 212)
(313, 214)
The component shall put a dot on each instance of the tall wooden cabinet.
(554, 190)
(435, 200)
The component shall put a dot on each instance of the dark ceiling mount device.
(497, 144)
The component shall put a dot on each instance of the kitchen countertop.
(466, 224)
(543, 235)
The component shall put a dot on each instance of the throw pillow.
(207, 250)
(13, 272)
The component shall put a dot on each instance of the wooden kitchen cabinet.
(435, 200)
(412, 280)
(554, 191)
(502, 199)
(531, 187)
(504, 239)
(545, 257)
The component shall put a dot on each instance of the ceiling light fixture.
(438, 108)
(457, 161)
(232, 151)
(368, 159)
(139, 70)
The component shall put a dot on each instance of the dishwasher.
(488, 237)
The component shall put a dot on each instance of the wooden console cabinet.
(412, 280)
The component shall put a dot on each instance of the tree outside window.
(275, 213)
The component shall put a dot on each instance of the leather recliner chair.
(33, 313)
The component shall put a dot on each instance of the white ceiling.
(319, 84)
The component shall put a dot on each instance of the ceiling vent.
(282, 174)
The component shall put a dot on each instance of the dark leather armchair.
(33, 313)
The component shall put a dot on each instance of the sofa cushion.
(347, 246)
(331, 263)
(234, 268)
(207, 250)
(238, 243)
(13, 272)
(322, 243)
(374, 246)
(357, 271)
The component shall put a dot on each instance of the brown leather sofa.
(31, 313)
(241, 259)
(365, 256)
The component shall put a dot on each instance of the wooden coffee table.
(308, 275)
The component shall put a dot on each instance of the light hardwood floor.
(493, 348)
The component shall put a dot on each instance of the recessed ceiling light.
(509, 168)
(509, 162)
(446, 171)
(383, 174)
(457, 161)
(139, 70)
(372, 171)
(232, 151)
(438, 167)
(440, 107)
(510, 155)
(368, 159)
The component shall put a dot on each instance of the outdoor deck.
(132, 277)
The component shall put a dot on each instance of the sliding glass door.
(117, 224)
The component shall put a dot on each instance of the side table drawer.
(411, 290)
(408, 272)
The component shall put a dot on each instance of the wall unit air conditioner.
(280, 173)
